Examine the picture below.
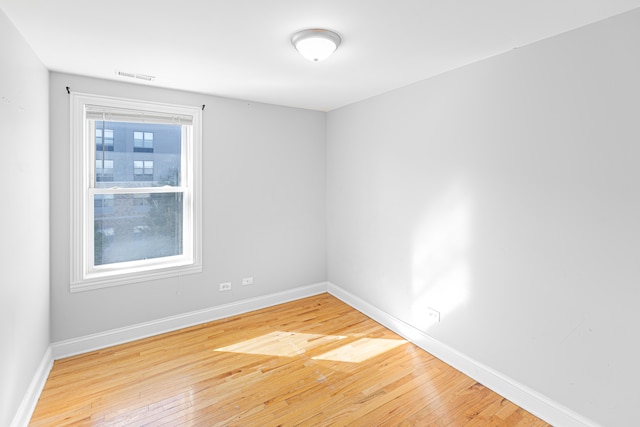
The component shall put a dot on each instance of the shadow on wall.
(441, 277)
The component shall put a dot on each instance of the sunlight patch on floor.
(279, 343)
(360, 350)
(290, 344)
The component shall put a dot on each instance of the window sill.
(107, 280)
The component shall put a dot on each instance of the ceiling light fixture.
(316, 44)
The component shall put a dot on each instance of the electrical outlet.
(225, 286)
(434, 315)
(247, 281)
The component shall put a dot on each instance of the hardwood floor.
(312, 362)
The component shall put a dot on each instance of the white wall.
(264, 188)
(24, 217)
(506, 194)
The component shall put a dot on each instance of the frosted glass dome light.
(316, 44)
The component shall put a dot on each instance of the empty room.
(370, 213)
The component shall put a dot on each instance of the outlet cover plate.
(434, 315)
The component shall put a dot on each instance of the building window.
(143, 170)
(133, 228)
(143, 142)
(104, 170)
(104, 138)
(102, 201)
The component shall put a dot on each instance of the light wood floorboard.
(311, 362)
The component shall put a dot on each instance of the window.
(143, 170)
(131, 224)
(104, 138)
(103, 201)
(143, 142)
(104, 170)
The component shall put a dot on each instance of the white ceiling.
(241, 48)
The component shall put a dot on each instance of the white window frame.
(86, 276)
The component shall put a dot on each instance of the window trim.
(83, 275)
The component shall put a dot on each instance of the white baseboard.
(112, 337)
(30, 399)
(532, 401)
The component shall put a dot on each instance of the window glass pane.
(102, 204)
(141, 154)
(104, 164)
(130, 231)
(104, 137)
(104, 170)
(141, 200)
(143, 141)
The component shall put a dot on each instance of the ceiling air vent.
(135, 76)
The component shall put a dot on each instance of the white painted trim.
(112, 337)
(30, 399)
(532, 401)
